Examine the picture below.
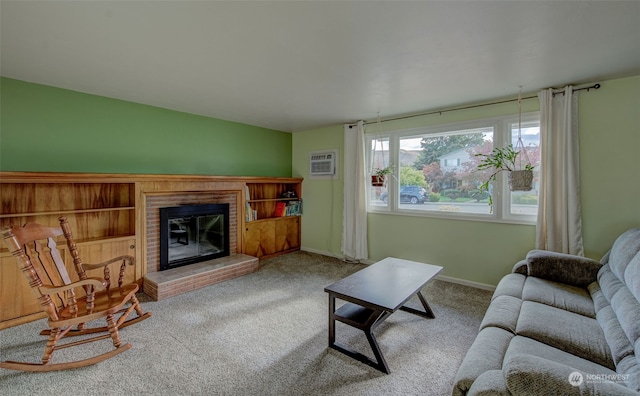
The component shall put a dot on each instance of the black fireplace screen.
(193, 233)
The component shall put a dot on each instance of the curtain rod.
(556, 92)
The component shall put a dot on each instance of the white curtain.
(354, 217)
(559, 226)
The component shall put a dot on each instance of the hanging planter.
(379, 176)
(503, 159)
(521, 180)
(377, 181)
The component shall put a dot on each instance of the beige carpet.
(262, 334)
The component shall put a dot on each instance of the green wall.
(479, 251)
(323, 198)
(609, 162)
(50, 129)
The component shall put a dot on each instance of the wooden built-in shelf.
(64, 212)
(270, 219)
(107, 213)
(269, 235)
(273, 199)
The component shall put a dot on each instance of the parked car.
(409, 194)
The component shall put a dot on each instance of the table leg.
(332, 319)
(427, 313)
(373, 342)
(367, 323)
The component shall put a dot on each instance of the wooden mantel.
(107, 213)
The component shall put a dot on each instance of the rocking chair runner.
(69, 305)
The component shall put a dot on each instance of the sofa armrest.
(564, 268)
(532, 375)
(520, 268)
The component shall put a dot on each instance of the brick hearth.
(169, 283)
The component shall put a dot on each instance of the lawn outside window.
(436, 170)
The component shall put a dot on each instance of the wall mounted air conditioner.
(322, 163)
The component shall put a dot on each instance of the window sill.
(455, 217)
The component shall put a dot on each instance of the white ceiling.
(295, 66)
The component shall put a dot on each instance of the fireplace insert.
(193, 233)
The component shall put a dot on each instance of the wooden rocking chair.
(70, 305)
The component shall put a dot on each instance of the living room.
(51, 125)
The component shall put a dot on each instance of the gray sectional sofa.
(561, 325)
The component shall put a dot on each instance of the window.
(435, 170)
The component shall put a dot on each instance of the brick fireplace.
(163, 284)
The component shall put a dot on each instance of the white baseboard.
(322, 252)
(445, 278)
(465, 282)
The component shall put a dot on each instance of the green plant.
(378, 175)
(452, 194)
(434, 197)
(383, 171)
(411, 177)
(500, 159)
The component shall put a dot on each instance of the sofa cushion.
(503, 312)
(624, 314)
(559, 295)
(613, 333)
(510, 285)
(571, 332)
(631, 370)
(528, 346)
(609, 282)
(623, 251)
(627, 311)
(597, 295)
(489, 383)
(532, 375)
(632, 276)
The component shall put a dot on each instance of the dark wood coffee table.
(372, 295)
